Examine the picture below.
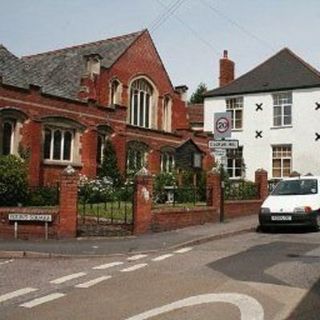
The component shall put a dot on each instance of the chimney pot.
(225, 54)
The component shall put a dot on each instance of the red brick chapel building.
(61, 106)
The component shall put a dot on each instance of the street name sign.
(222, 125)
(220, 152)
(223, 144)
(30, 217)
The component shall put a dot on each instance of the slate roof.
(283, 71)
(58, 72)
(13, 71)
(195, 113)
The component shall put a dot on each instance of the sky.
(190, 35)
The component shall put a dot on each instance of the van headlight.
(302, 210)
(265, 210)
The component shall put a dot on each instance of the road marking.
(16, 293)
(137, 257)
(108, 265)
(135, 267)
(163, 257)
(36, 302)
(91, 283)
(250, 308)
(67, 278)
(6, 262)
(183, 250)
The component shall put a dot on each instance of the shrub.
(13, 181)
(162, 180)
(95, 190)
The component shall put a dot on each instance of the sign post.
(222, 130)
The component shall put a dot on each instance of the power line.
(192, 30)
(162, 14)
(236, 24)
(166, 15)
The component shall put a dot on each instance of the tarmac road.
(247, 276)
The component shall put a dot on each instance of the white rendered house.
(275, 116)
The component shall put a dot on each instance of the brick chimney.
(226, 70)
(90, 78)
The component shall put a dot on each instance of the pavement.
(152, 242)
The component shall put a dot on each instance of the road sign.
(220, 152)
(222, 125)
(223, 144)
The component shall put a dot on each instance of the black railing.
(179, 196)
(116, 207)
(241, 190)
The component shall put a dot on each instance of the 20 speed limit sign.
(222, 125)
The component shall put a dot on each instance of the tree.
(197, 96)
(13, 181)
(109, 167)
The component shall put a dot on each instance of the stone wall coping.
(243, 201)
(29, 210)
(178, 210)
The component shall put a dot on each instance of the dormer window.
(93, 64)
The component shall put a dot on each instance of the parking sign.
(222, 125)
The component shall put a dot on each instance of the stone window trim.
(143, 95)
(234, 105)
(137, 156)
(11, 122)
(167, 114)
(70, 141)
(104, 133)
(115, 92)
(282, 109)
(281, 160)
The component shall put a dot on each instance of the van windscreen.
(296, 187)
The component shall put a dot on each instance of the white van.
(293, 202)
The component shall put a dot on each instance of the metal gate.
(106, 214)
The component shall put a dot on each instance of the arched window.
(115, 93)
(8, 137)
(11, 122)
(136, 156)
(167, 161)
(167, 114)
(58, 144)
(101, 143)
(140, 103)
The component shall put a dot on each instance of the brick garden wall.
(28, 230)
(176, 218)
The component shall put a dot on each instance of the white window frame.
(167, 162)
(63, 132)
(141, 89)
(235, 106)
(282, 101)
(133, 154)
(284, 153)
(233, 168)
